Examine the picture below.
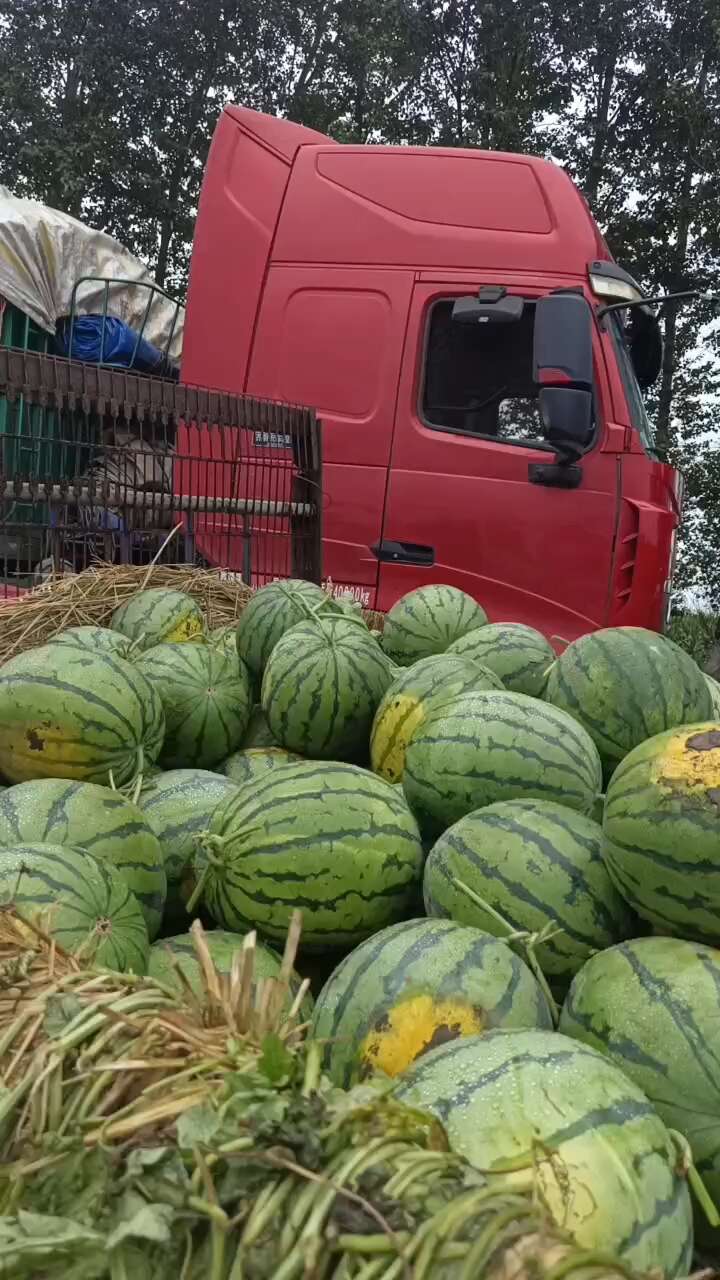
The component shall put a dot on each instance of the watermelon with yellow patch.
(661, 830)
(409, 698)
(66, 712)
(159, 616)
(417, 985)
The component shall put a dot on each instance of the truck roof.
(423, 207)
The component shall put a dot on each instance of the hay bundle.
(90, 598)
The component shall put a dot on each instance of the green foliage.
(697, 633)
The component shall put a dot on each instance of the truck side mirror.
(645, 342)
(563, 371)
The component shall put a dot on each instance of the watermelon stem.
(520, 939)
(313, 1069)
(689, 1169)
(210, 846)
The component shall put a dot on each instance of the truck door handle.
(403, 552)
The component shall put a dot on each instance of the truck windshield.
(636, 405)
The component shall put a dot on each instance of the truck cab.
(441, 310)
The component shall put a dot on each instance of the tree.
(63, 98)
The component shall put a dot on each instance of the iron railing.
(100, 463)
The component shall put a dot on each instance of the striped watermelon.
(428, 620)
(258, 733)
(159, 616)
(273, 610)
(105, 824)
(519, 655)
(177, 806)
(322, 685)
(407, 701)
(625, 684)
(652, 1006)
(225, 639)
(534, 862)
(96, 640)
(91, 907)
(416, 985)
(477, 748)
(223, 947)
(206, 698)
(332, 839)
(69, 713)
(244, 766)
(662, 831)
(714, 688)
(520, 1097)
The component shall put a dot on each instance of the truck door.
(463, 505)
(332, 337)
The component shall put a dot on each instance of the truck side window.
(478, 380)
(636, 404)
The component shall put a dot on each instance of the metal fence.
(99, 463)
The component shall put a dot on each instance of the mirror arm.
(684, 295)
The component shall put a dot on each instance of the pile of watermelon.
(507, 863)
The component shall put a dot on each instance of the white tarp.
(43, 254)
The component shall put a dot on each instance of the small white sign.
(272, 440)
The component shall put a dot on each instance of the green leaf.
(38, 1226)
(151, 1222)
(198, 1125)
(276, 1063)
(60, 1011)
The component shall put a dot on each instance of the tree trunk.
(607, 66)
(663, 432)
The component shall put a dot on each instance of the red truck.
(442, 311)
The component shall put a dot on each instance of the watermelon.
(159, 616)
(662, 831)
(258, 733)
(223, 947)
(534, 862)
(605, 1165)
(96, 819)
(714, 688)
(407, 701)
(177, 806)
(477, 748)
(69, 713)
(243, 766)
(273, 610)
(96, 640)
(225, 639)
(519, 655)
(321, 688)
(206, 699)
(625, 684)
(332, 839)
(428, 620)
(652, 1006)
(86, 904)
(416, 985)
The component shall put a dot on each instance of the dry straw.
(90, 598)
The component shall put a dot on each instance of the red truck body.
(324, 274)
